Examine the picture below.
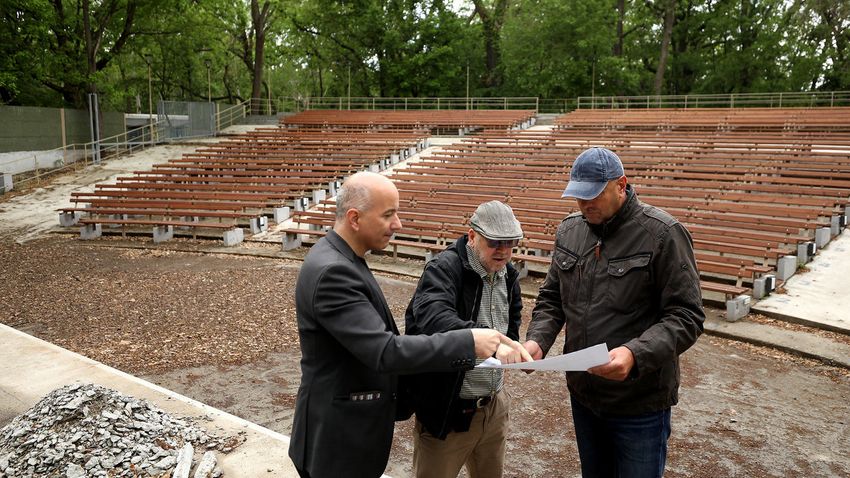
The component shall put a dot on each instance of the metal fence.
(174, 121)
(731, 100)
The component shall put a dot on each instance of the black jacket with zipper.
(632, 281)
(448, 297)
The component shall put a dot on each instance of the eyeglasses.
(493, 244)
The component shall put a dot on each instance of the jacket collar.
(338, 243)
(623, 214)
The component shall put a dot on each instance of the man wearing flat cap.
(623, 273)
(462, 417)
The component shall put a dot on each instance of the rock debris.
(88, 431)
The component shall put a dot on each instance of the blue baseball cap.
(591, 172)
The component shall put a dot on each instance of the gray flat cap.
(495, 220)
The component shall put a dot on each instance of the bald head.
(367, 212)
(357, 191)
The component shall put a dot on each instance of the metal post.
(94, 124)
(148, 59)
(467, 86)
(208, 63)
(349, 86)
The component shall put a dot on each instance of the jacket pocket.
(629, 283)
(568, 274)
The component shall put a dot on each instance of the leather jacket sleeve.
(547, 317)
(433, 306)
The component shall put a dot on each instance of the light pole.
(148, 60)
(208, 64)
(467, 85)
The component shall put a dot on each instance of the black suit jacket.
(351, 355)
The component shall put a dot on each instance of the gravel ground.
(221, 329)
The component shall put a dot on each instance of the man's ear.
(352, 217)
(621, 184)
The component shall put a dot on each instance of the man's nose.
(396, 224)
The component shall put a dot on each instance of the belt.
(472, 404)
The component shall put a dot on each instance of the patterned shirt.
(492, 314)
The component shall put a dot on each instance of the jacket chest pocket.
(569, 275)
(629, 283)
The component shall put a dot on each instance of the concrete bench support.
(259, 224)
(786, 266)
(822, 236)
(394, 158)
(763, 286)
(69, 218)
(737, 308)
(281, 214)
(805, 252)
(90, 231)
(522, 269)
(375, 168)
(7, 184)
(163, 233)
(834, 226)
(319, 195)
(302, 204)
(333, 188)
(291, 241)
(233, 237)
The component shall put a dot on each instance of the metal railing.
(230, 115)
(731, 100)
(430, 103)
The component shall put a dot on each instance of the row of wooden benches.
(432, 119)
(714, 118)
(225, 187)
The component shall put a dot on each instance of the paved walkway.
(818, 296)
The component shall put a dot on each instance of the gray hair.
(352, 195)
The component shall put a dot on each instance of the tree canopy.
(54, 52)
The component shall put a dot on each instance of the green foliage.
(413, 48)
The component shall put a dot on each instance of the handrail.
(415, 103)
(730, 100)
(229, 115)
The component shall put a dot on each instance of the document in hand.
(577, 361)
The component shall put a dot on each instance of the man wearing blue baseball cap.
(623, 273)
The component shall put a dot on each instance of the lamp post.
(149, 60)
(208, 64)
(467, 86)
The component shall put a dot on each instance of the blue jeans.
(621, 446)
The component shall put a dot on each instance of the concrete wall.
(25, 128)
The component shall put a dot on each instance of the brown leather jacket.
(632, 281)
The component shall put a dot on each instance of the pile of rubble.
(89, 431)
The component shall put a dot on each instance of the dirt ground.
(221, 329)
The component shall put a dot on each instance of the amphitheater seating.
(229, 184)
(435, 120)
(748, 197)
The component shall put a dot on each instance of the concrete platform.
(819, 296)
(30, 368)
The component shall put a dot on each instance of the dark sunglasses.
(493, 244)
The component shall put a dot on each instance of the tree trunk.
(260, 23)
(621, 16)
(669, 18)
(492, 22)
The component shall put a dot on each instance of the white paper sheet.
(577, 361)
